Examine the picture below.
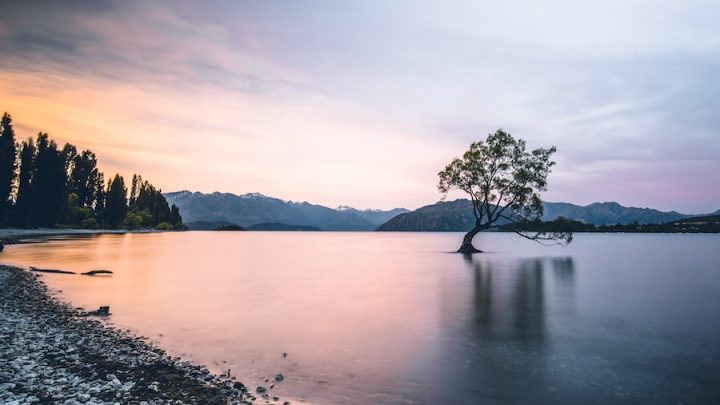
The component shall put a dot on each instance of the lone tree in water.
(504, 182)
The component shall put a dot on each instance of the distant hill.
(377, 217)
(230, 228)
(444, 216)
(207, 225)
(609, 213)
(251, 209)
(699, 224)
(282, 227)
(713, 218)
(457, 216)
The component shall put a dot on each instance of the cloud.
(363, 103)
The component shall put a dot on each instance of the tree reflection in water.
(497, 333)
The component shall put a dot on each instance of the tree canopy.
(504, 182)
(49, 186)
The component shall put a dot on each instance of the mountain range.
(201, 210)
(457, 215)
(209, 211)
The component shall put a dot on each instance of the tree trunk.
(467, 246)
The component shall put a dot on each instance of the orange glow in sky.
(362, 104)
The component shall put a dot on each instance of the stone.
(6, 386)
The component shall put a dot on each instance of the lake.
(396, 318)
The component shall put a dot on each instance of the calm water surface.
(394, 318)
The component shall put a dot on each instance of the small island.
(274, 226)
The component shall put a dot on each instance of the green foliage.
(504, 182)
(63, 186)
(137, 220)
(89, 223)
(85, 178)
(74, 212)
(165, 226)
(146, 199)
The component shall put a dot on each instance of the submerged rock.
(102, 311)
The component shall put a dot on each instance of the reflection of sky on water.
(391, 318)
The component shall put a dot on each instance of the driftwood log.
(56, 271)
(95, 272)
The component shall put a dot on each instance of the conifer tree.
(99, 204)
(50, 181)
(84, 176)
(175, 217)
(8, 154)
(115, 202)
(23, 213)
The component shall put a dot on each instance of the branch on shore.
(95, 272)
(56, 271)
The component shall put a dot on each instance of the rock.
(6, 387)
(279, 377)
(261, 390)
(102, 311)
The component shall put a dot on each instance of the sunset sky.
(362, 102)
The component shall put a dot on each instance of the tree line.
(45, 185)
(702, 224)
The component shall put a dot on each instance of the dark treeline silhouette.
(43, 185)
(702, 224)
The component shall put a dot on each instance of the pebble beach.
(53, 353)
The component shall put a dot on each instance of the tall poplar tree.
(115, 202)
(25, 202)
(84, 176)
(8, 155)
(50, 180)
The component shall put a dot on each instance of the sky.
(361, 103)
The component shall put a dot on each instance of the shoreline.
(12, 236)
(49, 352)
